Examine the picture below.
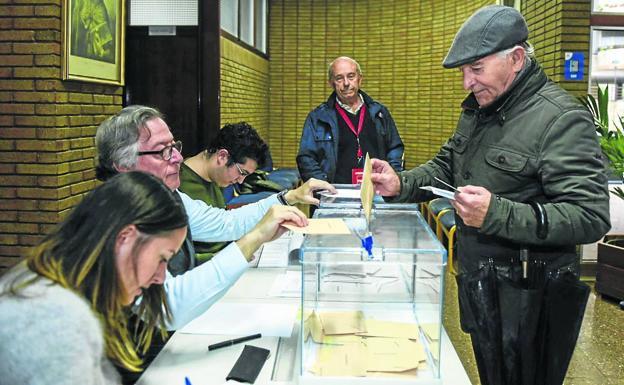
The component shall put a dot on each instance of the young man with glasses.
(137, 138)
(233, 154)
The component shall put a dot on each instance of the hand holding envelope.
(471, 203)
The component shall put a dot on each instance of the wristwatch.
(281, 197)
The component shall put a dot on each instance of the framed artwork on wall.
(93, 41)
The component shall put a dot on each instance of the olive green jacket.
(536, 142)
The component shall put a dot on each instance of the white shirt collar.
(347, 108)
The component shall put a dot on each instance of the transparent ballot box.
(348, 196)
(372, 318)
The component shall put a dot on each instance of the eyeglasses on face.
(241, 171)
(166, 152)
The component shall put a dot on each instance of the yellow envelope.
(393, 354)
(341, 360)
(345, 322)
(379, 328)
(367, 191)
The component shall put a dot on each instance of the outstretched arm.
(304, 193)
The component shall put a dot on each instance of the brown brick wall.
(244, 87)
(557, 27)
(400, 45)
(47, 127)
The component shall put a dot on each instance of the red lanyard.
(360, 124)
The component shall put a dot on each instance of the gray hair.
(117, 139)
(529, 50)
(330, 69)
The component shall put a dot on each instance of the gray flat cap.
(491, 29)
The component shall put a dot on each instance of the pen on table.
(187, 381)
(233, 341)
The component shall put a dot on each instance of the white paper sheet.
(440, 192)
(275, 253)
(287, 285)
(239, 318)
(343, 193)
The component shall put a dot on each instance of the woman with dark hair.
(64, 310)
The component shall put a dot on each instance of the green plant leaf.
(603, 106)
(595, 109)
(611, 141)
(618, 192)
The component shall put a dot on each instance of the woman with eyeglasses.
(64, 310)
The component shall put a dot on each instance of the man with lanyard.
(338, 133)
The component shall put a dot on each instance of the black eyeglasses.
(243, 172)
(166, 152)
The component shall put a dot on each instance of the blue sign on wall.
(573, 67)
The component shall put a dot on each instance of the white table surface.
(187, 355)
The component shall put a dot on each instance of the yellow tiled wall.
(557, 27)
(244, 87)
(47, 127)
(400, 45)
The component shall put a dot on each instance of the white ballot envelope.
(440, 192)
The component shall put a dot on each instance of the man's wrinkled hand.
(471, 204)
(385, 180)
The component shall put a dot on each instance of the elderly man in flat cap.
(524, 157)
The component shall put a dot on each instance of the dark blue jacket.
(319, 140)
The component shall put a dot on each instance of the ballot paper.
(229, 318)
(348, 344)
(287, 285)
(440, 192)
(367, 191)
(342, 193)
(275, 253)
(320, 226)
